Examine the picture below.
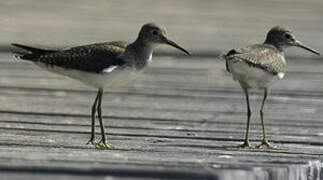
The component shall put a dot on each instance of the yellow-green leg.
(265, 143)
(246, 143)
(104, 141)
(94, 109)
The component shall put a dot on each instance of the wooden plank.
(187, 127)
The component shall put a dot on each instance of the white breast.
(253, 77)
(114, 76)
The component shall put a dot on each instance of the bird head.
(155, 34)
(282, 37)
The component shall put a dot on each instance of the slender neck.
(138, 53)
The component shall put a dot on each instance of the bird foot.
(103, 144)
(266, 145)
(246, 145)
(94, 143)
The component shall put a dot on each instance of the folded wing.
(91, 58)
(262, 56)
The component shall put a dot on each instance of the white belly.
(253, 77)
(113, 77)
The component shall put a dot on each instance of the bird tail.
(228, 58)
(29, 53)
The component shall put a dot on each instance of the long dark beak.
(172, 43)
(301, 45)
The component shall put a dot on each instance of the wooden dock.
(182, 118)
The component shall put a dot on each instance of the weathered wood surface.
(182, 118)
(173, 121)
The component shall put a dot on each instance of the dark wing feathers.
(121, 44)
(263, 56)
(91, 58)
(231, 52)
(33, 49)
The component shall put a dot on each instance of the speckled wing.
(121, 44)
(262, 56)
(90, 58)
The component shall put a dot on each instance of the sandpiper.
(102, 65)
(259, 66)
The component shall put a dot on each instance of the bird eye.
(288, 36)
(154, 32)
